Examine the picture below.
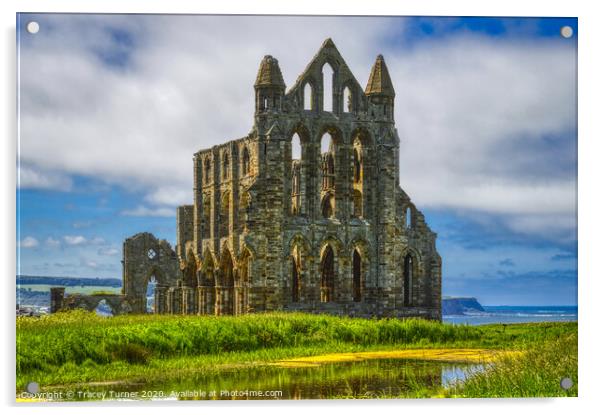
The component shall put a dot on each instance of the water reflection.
(378, 378)
(454, 374)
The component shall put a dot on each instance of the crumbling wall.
(185, 228)
(146, 257)
(119, 304)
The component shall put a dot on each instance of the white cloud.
(52, 243)
(140, 126)
(34, 178)
(475, 114)
(170, 196)
(79, 240)
(82, 224)
(489, 126)
(96, 241)
(99, 268)
(75, 240)
(109, 251)
(89, 263)
(146, 211)
(29, 242)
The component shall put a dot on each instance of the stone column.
(184, 294)
(237, 299)
(176, 298)
(168, 301)
(57, 295)
(201, 303)
(192, 301)
(218, 301)
(161, 299)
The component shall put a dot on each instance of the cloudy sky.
(113, 107)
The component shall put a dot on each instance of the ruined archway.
(298, 153)
(327, 206)
(151, 303)
(246, 161)
(327, 275)
(224, 216)
(242, 283)
(358, 276)
(104, 309)
(408, 279)
(298, 266)
(224, 290)
(144, 256)
(206, 290)
(295, 275)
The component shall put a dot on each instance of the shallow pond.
(373, 378)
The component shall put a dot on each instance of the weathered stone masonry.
(327, 231)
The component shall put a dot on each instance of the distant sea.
(515, 314)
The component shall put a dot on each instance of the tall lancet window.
(327, 156)
(408, 277)
(308, 97)
(327, 272)
(296, 175)
(246, 161)
(226, 167)
(207, 170)
(347, 100)
(327, 79)
(357, 166)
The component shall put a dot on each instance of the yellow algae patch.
(441, 355)
(29, 400)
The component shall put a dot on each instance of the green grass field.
(79, 347)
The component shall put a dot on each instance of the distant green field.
(88, 289)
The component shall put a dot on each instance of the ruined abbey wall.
(327, 230)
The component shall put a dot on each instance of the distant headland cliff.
(460, 305)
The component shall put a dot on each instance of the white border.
(590, 274)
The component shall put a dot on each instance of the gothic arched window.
(226, 167)
(328, 206)
(327, 82)
(308, 97)
(347, 100)
(225, 215)
(327, 271)
(296, 162)
(357, 166)
(206, 216)
(327, 155)
(357, 276)
(246, 161)
(408, 276)
(207, 170)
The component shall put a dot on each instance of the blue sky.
(113, 107)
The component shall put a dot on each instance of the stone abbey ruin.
(325, 229)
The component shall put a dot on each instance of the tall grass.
(535, 373)
(81, 346)
(79, 336)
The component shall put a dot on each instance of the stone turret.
(269, 86)
(380, 91)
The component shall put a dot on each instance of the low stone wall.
(119, 304)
